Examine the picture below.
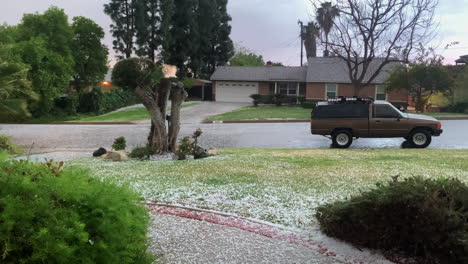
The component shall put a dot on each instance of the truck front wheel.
(342, 139)
(420, 138)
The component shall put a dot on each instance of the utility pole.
(301, 24)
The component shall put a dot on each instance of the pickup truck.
(346, 118)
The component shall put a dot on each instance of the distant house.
(322, 78)
(463, 60)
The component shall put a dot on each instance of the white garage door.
(238, 92)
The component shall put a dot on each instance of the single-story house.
(322, 78)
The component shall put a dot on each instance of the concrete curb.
(93, 123)
(448, 118)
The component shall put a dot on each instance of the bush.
(100, 102)
(119, 144)
(7, 145)
(141, 153)
(460, 107)
(280, 99)
(309, 105)
(53, 216)
(422, 217)
(68, 104)
(256, 99)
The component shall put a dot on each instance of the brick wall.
(213, 91)
(264, 88)
(316, 91)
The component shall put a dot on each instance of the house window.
(381, 92)
(287, 88)
(331, 90)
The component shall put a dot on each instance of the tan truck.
(346, 118)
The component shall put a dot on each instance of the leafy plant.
(422, 217)
(189, 146)
(256, 99)
(279, 99)
(68, 217)
(119, 144)
(7, 145)
(141, 153)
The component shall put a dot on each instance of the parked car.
(346, 118)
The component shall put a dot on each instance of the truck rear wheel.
(342, 139)
(420, 138)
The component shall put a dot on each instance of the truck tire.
(420, 138)
(342, 139)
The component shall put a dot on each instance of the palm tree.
(326, 15)
(310, 34)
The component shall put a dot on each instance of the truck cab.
(346, 118)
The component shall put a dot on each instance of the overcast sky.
(268, 27)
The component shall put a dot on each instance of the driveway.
(199, 113)
(48, 138)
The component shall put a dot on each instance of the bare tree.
(368, 35)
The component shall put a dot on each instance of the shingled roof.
(328, 69)
(266, 73)
(333, 69)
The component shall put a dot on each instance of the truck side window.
(384, 111)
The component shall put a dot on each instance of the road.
(278, 135)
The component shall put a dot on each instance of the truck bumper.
(438, 132)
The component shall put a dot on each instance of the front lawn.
(265, 113)
(279, 186)
(128, 115)
(436, 115)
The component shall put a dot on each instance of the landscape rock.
(116, 156)
(163, 157)
(213, 152)
(99, 152)
(200, 153)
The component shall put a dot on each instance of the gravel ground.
(182, 240)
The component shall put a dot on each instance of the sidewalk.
(183, 235)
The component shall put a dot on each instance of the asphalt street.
(44, 138)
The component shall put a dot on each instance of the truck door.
(386, 122)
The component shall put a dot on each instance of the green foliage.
(246, 57)
(256, 99)
(100, 102)
(148, 27)
(326, 15)
(15, 91)
(189, 146)
(422, 217)
(309, 105)
(421, 81)
(89, 54)
(69, 104)
(7, 145)
(460, 91)
(53, 216)
(460, 107)
(141, 153)
(123, 16)
(136, 72)
(119, 144)
(280, 99)
(43, 43)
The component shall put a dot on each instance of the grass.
(129, 115)
(279, 186)
(265, 113)
(446, 114)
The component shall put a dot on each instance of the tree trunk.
(178, 96)
(357, 88)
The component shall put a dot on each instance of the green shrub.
(309, 105)
(141, 153)
(460, 107)
(48, 216)
(422, 217)
(7, 145)
(100, 102)
(68, 104)
(256, 99)
(280, 99)
(119, 144)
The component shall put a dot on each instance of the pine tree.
(123, 14)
